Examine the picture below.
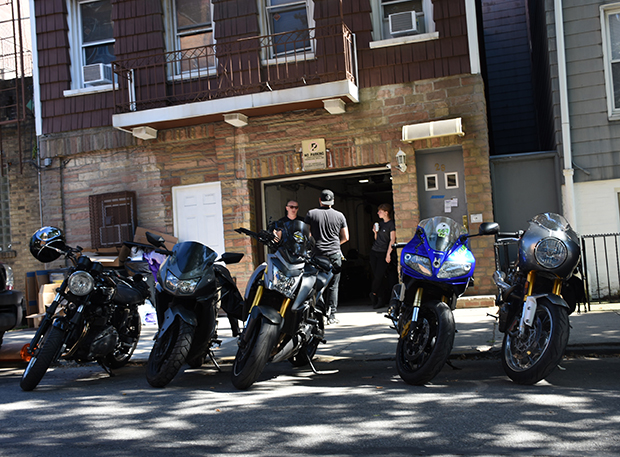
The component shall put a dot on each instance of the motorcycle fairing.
(169, 316)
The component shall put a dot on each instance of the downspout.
(568, 191)
(37, 98)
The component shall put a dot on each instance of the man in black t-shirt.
(329, 229)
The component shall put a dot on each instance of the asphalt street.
(358, 405)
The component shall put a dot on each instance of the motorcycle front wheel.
(129, 336)
(251, 359)
(424, 350)
(40, 362)
(530, 357)
(169, 353)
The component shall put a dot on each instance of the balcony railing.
(229, 69)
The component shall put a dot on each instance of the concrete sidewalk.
(365, 334)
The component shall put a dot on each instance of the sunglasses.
(293, 207)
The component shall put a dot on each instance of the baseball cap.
(327, 197)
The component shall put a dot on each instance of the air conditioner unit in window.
(402, 22)
(97, 74)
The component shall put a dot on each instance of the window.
(191, 21)
(399, 19)
(92, 40)
(113, 218)
(610, 27)
(452, 180)
(430, 182)
(289, 20)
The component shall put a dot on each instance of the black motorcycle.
(94, 315)
(284, 305)
(538, 289)
(192, 284)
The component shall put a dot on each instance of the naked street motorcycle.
(538, 289)
(284, 304)
(94, 315)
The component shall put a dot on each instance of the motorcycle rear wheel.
(169, 353)
(250, 361)
(424, 350)
(532, 357)
(127, 344)
(39, 364)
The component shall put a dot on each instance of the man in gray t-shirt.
(329, 229)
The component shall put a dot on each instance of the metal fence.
(601, 266)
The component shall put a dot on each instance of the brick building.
(219, 135)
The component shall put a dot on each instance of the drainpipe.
(568, 191)
(37, 99)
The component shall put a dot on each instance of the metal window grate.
(113, 219)
(5, 218)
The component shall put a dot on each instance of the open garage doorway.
(357, 193)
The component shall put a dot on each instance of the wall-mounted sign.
(313, 154)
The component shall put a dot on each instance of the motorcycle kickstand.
(212, 357)
(451, 365)
(108, 370)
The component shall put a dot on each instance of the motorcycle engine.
(103, 343)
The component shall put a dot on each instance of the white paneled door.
(198, 214)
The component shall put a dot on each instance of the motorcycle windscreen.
(295, 238)
(555, 223)
(190, 259)
(441, 232)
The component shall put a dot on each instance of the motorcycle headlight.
(184, 286)
(419, 263)
(80, 283)
(286, 285)
(453, 270)
(550, 252)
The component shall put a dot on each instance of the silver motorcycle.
(538, 289)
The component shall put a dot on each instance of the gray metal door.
(524, 185)
(441, 183)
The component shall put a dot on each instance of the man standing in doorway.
(292, 212)
(329, 229)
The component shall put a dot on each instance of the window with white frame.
(92, 42)
(397, 19)
(190, 26)
(610, 27)
(289, 21)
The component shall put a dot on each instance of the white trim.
(613, 113)
(239, 104)
(306, 176)
(404, 40)
(87, 90)
(38, 120)
(456, 179)
(472, 36)
(427, 188)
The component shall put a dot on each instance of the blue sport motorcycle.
(436, 268)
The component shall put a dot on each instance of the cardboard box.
(46, 295)
(32, 295)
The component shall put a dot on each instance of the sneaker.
(332, 320)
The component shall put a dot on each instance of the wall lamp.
(401, 160)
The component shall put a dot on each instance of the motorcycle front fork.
(530, 301)
(396, 308)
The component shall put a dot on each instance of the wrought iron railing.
(241, 67)
(600, 256)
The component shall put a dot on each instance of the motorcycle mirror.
(231, 257)
(488, 228)
(156, 240)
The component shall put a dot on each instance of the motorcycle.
(285, 312)
(192, 284)
(537, 292)
(436, 268)
(93, 317)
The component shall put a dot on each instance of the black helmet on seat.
(47, 244)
